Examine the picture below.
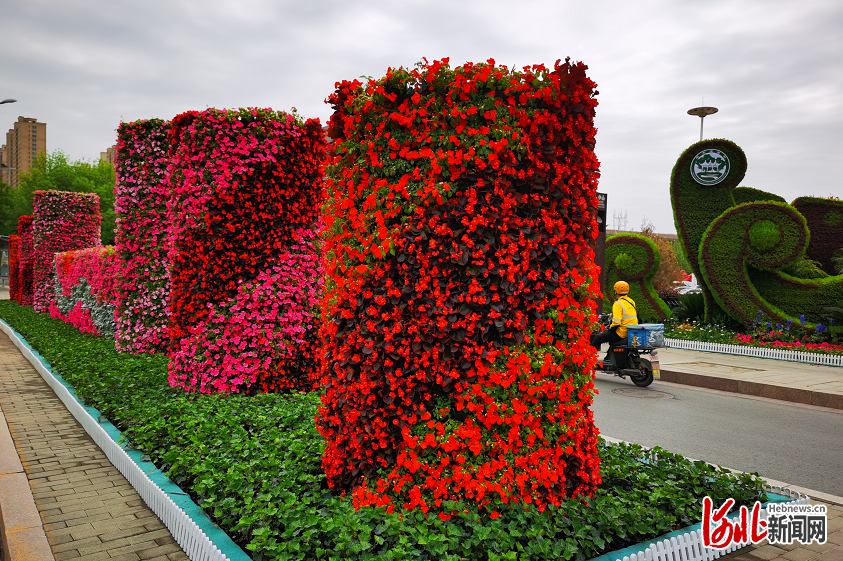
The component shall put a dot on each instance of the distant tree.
(56, 171)
(8, 206)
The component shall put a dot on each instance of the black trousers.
(609, 336)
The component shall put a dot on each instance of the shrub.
(62, 221)
(691, 307)
(25, 263)
(86, 289)
(635, 258)
(246, 193)
(461, 203)
(141, 193)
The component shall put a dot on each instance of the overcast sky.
(774, 69)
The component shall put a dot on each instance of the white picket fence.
(759, 352)
(689, 546)
(195, 543)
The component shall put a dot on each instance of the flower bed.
(253, 464)
(461, 287)
(141, 193)
(777, 337)
(62, 221)
(246, 193)
(25, 262)
(86, 289)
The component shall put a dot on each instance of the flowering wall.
(85, 289)
(25, 261)
(461, 287)
(14, 264)
(62, 221)
(246, 193)
(141, 192)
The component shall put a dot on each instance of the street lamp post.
(701, 112)
(8, 101)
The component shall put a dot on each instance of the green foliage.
(8, 206)
(691, 307)
(635, 259)
(56, 171)
(837, 260)
(750, 195)
(764, 235)
(253, 464)
(805, 268)
(681, 258)
(623, 261)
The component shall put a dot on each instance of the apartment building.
(24, 142)
(108, 155)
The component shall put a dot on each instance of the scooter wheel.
(645, 376)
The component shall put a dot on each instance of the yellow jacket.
(623, 314)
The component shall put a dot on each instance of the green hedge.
(635, 259)
(253, 464)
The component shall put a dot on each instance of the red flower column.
(246, 193)
(25, 263)
(62, 221)
(461, 287)
(14, 263)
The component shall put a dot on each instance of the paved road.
(788, 442)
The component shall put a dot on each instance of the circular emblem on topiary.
(710, 167)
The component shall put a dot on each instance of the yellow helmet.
(621, 288)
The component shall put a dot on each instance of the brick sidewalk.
(88, 508)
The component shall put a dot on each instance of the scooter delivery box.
(645, 335)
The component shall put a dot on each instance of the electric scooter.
(639, 363)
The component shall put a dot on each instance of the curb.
(21, 529)
(757, 389)
(197, 535)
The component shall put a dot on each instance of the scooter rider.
(623, 314)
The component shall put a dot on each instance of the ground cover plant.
(245, 197)
(253, 463)
(62, 221)
(141, 194)
(461, 204)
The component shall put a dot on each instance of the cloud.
(772, 67)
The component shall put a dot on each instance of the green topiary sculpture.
(635, 259)
(740, 252)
